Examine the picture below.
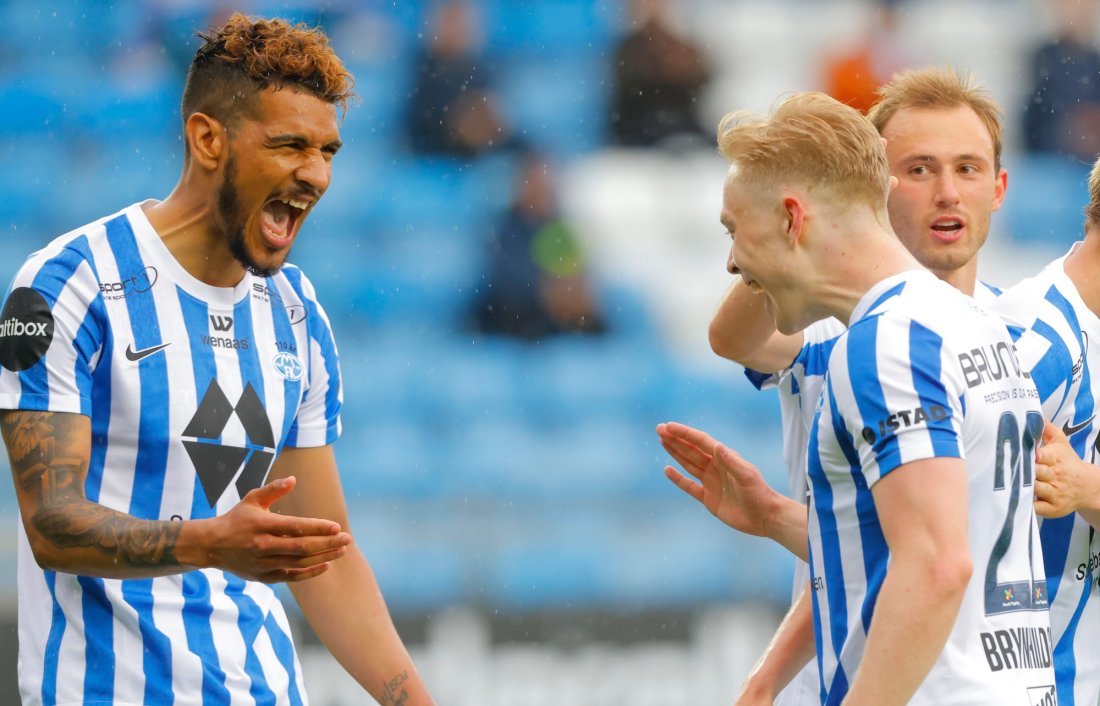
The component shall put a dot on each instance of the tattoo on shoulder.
(49, 461)
(393, 694)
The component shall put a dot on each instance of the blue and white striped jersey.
(192, 390)
(799, 388)
(1053, 328)
(924, 372)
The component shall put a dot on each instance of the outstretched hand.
(1064, 483)
(729, 487)
(255, 543)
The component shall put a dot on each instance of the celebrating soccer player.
(920, 542)
(172, 393)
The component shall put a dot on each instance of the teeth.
(756, 288)
(300, 205)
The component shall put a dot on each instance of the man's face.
(947, 184)
(279, 165)
(758, 227)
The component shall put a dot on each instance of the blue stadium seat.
(1046, 200)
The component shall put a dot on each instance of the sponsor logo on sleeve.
(26, 329)
(903, 419)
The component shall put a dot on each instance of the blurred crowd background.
(520, 252)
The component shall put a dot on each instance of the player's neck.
(861, 269)
(184, 226)
(964, 279)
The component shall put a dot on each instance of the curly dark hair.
(245, 56)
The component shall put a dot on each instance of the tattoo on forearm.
(49, 463)
(392, 693)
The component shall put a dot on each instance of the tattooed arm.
(49, 454)
(345, 606)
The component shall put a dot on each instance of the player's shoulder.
(66, 254)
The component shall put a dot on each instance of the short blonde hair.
(1092, 211)
(813, 138)
(939, 87)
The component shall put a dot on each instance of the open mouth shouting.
(280, 219)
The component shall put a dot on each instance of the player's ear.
(795, 218)
(206, 138)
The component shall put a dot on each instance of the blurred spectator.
(452, 110)
(659, 77)
(853, 76)
(1063, 112)
(535, 284)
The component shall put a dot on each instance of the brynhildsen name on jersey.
(925, 372)
(192, 391)
(1058, 339)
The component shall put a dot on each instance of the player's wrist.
(194, 544)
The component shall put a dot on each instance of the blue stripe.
(818, 642)
(889, 293)
(1065, 661)
(152, 454)
(830, 540)
(1049, 373)
(156, 648)
(996, 291)
(757, 378)
(248, 360)
(195, 320)
(50, 281)
(197, 610)
(284, 650)
(99, 639)
(815, 357)
(1054, 537)
(876, 553)
(198, 606)
(925, 356)
(839, 688)
(249, 621)
(58, 623)
(862, 365)
(292, 390)
(320, 333)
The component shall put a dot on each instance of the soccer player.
(1054, 317)
(943, 144)
(171, 392)
(919, 540)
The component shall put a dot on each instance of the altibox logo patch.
(26, 329)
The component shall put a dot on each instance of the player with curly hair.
(171, 393)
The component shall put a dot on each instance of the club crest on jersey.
(26, 329)
(288, 365)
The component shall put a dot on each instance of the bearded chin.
(230, 212)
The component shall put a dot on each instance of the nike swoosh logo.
(1071, 430)
(131, 354)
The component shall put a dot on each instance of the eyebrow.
(293, 137)
(967, 157)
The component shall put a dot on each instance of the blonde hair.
(1092, 211)
(939, 87)
(814, 138)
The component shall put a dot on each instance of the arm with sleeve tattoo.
(49, 454)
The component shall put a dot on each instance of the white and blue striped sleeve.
(901, 402)
(52, 332)
(318, 420)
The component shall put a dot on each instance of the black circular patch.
(26, 329)
(869, 435)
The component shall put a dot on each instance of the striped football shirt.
(798, 388)
(1054, 328)
(926, 372)
(192, 390)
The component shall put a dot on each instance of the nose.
(731, 264)
(315, 170)
(946, 192)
